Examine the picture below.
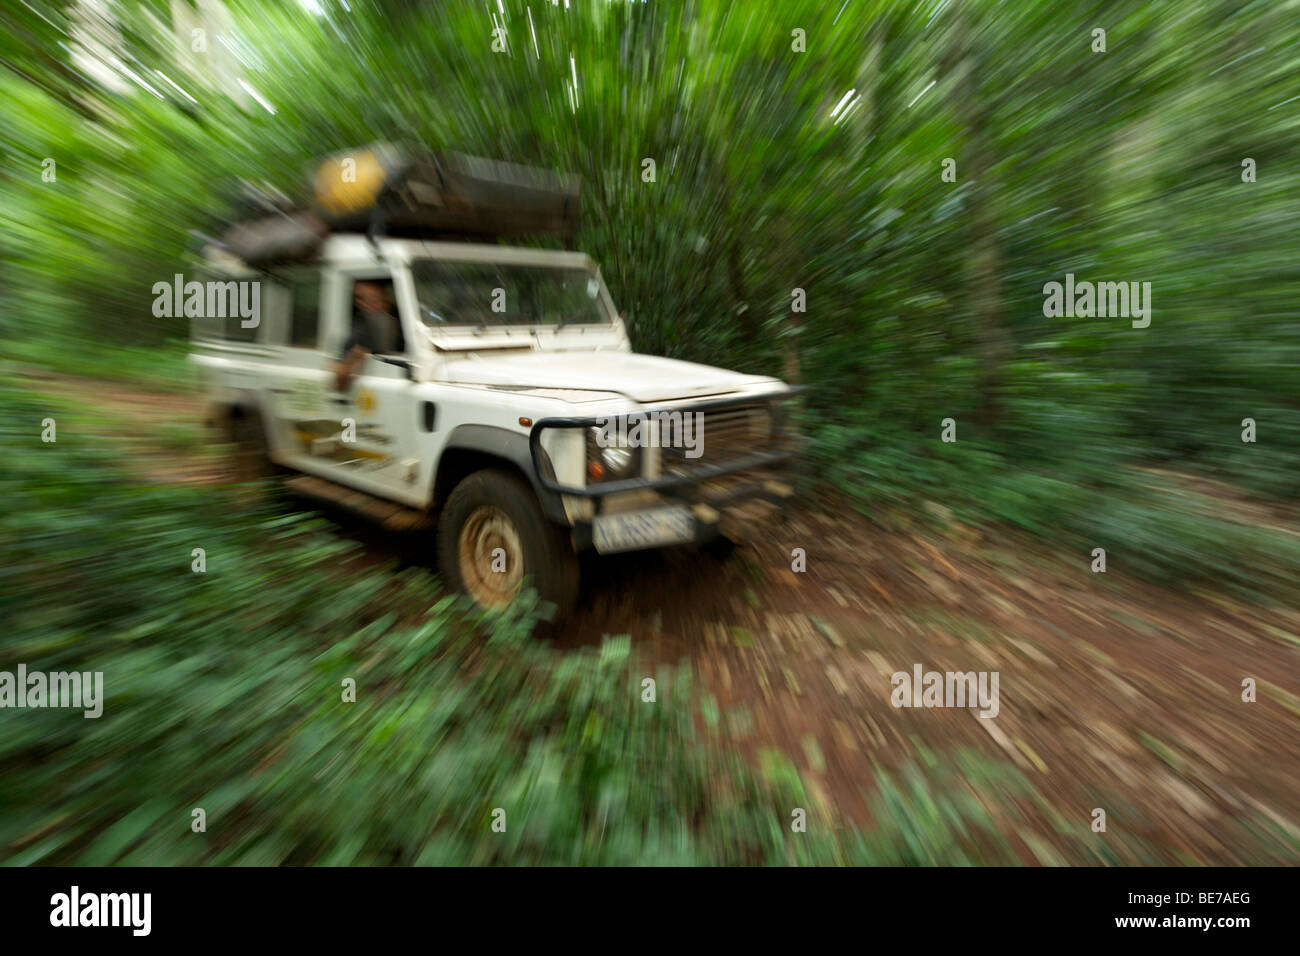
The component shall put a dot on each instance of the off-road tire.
(496, 508)
(250, 459)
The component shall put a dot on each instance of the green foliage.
(1151, 524)
(924, 302)
(924, 296)
(224, 691)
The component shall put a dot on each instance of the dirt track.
(1113, 694)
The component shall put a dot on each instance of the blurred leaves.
(924, 296)
(924, 302)
(223, 691)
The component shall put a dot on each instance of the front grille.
(724, 435)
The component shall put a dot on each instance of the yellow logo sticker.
(365, 400)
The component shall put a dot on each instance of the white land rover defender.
(495, 415)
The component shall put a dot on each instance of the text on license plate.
(642, 529)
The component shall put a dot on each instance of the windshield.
(482, 294)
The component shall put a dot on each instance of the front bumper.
(724, 499)
(735, 514)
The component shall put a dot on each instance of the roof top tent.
(385, 190)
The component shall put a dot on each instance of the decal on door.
(337, 434)
(330, 438)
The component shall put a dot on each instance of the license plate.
(635, 530)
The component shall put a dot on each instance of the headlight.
(616, 459)
(610, 462)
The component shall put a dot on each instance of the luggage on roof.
(279, 239)
(386, 190)
(448, 194)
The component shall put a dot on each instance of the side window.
(245, 307)
(203, 328)
(375, 322)
(304, 319)
(241, 310)
(212, 302)
(233, 329)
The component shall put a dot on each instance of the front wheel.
(493, 534)
(250, 461)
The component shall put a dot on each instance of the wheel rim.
(485, 530)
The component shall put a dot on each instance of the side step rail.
(389, 514)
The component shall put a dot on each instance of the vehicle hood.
(643, 378)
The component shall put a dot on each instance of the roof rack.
(386, 190)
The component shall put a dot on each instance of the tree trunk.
(975, 114)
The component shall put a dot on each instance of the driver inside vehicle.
(374, 329)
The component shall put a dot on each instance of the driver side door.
(364, 436)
